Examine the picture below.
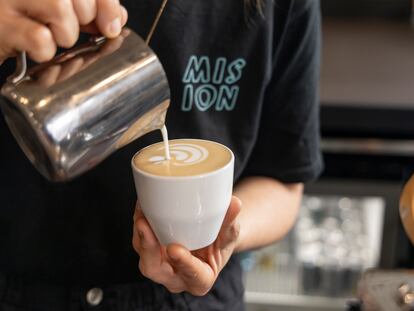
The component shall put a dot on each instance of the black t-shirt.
(247, 81)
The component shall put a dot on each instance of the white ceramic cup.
(187, 210)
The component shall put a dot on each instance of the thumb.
(230, 229)
(109, 18)
(92, 27)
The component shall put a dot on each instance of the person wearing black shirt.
(242, 74)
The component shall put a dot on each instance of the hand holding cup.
(179, 269)
(185, 223)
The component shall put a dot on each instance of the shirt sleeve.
(288, 143)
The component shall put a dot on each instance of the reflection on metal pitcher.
(71, 113)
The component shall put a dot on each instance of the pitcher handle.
(21, 59)
(21, 68)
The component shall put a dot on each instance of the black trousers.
(18, 295)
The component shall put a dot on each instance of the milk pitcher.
(71, 113)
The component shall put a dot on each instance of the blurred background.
(349, 220)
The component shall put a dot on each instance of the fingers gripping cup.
(185, 198)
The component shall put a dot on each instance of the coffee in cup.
(186, 197)
(189, 157)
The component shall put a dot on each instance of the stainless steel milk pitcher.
(71, 113)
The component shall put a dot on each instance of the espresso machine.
(382, 290)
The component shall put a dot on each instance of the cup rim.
(230, 163)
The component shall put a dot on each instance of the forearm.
(268, 212)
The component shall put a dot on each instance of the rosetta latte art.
(183, 154)
(188, 157)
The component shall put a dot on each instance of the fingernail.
(141, 236)
(115, 27)
(234, 231)
(174, 256)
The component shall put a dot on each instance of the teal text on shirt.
(212, 84)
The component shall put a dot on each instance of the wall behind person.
(393, 9)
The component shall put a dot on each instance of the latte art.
(183, 154)
(188, 157)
